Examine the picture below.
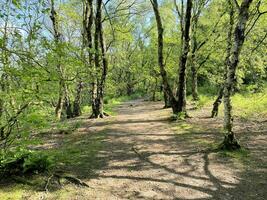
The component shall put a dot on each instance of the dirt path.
(145, 156)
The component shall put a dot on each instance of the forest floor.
(140, 154)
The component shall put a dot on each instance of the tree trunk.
(60, 102)
(167, 103)
(57, 37)
(98, 90)
(219, 98)
(67, 103)
(166, 87)
(77, 102)
(193, 57)
(181, 90)
(180, 104)
(194, 82)
(217, 103)
(155, 89)
(230, 142)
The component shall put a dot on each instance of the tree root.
(72, 179)
(69, 178)
(106, 114)
(166, 107)
(48, 182)
(230, 143)
(93, 116)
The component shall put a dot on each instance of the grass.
(195, 134)
(246, 105)
(12, 192)
(78, 155)
(250, 105)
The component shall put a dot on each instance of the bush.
(22, 161)
(37, 162)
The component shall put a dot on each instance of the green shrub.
(21, 161)
(37, 162)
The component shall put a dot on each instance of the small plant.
(37, 162)
(179, 116)
(21, 161)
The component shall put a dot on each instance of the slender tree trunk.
(77, 102)
(96, 112)
(57, 37)
(60, 102)
(217, 103)
(219, 98)
(197, 9)
(100, 52)
(155, 89)
(167, 103)
(193, 58)
(194, 83)
(166, 87)
(181, 90)
(67, 102)
(230, 141)
(88, 25)
(95, 68)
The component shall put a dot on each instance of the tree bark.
(77, 102)
(167, 103)
(217, 103)
(62, 93)
(180, 104)
(67, 102)
(88, 25)
(181, 90)
(101, 71)
(230, 142)
(219, 98)
(166, 87)
(193, 57)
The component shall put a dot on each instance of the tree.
(178, 102)
(63, 94)
(230, 141)
(181, 90)
(100, 71)
(218, 100)
(198, 7)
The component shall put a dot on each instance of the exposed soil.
(146, 156)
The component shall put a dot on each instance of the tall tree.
(166, 87)
(198, 7)
(219, 98)
(178, 101)
(230, 141)
(181, 90)
(63, 94)
(101, 65)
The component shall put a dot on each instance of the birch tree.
(230, 141)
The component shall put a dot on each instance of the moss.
(241, 155)
(12, 192)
